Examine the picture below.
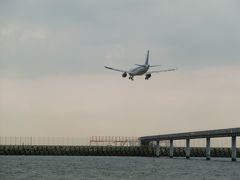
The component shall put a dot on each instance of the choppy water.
(87, 167)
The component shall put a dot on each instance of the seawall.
(109, 151)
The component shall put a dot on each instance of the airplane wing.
(116, 69)
(164, 70)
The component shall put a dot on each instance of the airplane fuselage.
(137, 71)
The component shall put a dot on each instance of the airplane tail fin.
(146, 62)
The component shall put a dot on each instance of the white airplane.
(140, 70)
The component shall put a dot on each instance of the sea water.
(90, 167)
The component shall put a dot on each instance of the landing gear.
(131, 77)
(147, 76)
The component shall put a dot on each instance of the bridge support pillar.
(187, 151)
(208, 148)
(234, 150)
(144, 143)
(171, 148)
(158, 149)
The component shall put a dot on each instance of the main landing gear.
(147, 76)
(131, 77)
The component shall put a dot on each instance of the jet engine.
(124, 75)
(147, 76)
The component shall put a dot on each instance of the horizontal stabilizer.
(164, 70)
(154, 65)
(140, 65)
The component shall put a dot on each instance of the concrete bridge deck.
(231, 132)
(194, 135)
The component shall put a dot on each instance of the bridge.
(232, 132)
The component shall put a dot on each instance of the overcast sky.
(52, 53)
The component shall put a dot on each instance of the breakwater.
(109, 151)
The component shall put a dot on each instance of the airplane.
(140, 70)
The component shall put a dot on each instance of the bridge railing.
(107, 141)
(70, 141)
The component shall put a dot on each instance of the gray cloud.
(42, 38)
